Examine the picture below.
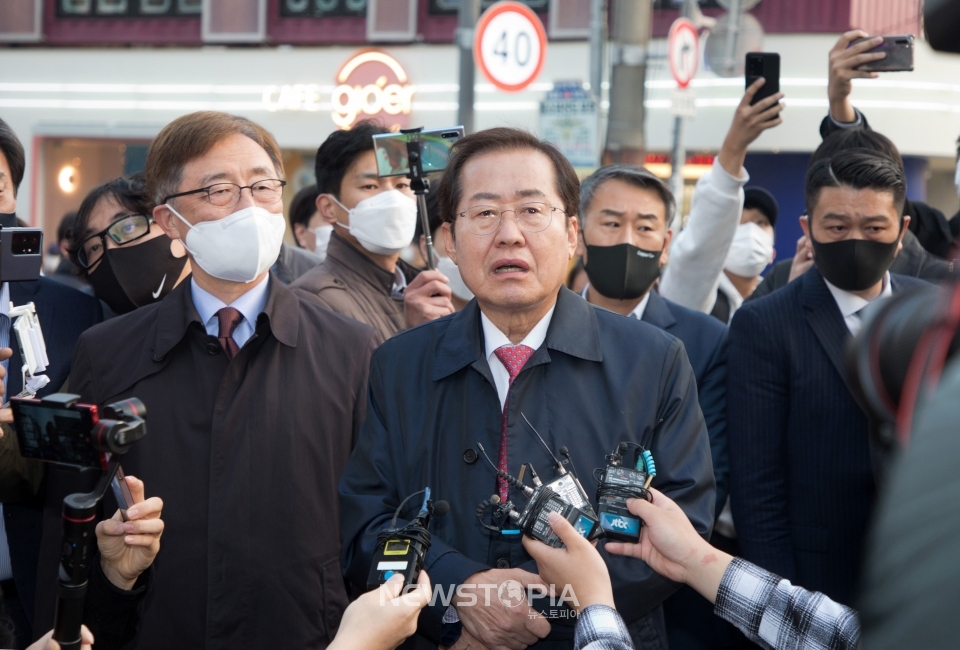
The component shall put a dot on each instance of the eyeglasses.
(531, 217)
(227, 195)
(122, 231)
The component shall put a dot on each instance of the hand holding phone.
(767, 66)
(898, 51)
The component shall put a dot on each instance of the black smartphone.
(21, 254)
(121, 492)
(899, 51)
(57, 434)
(391, 150)
(766, 65)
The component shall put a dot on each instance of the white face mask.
(322, 235)
(239, 247)
(446, 266)
(956, 178)
(384, 223)
(750, 252)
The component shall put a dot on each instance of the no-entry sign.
(510, 46)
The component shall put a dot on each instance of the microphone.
(402, 550)
(440, 508)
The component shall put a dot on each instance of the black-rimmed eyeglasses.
(227, 195)
(122, 231)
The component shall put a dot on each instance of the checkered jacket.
(775, 614)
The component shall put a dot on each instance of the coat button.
(470, 456)
(503, 563)
(213, 348)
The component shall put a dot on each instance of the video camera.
(563, 495)
(619, 483)
(57, 429)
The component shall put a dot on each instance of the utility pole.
(467, 16)
(598, 37)
(631, 26)
(733, 28)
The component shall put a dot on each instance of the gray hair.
(634, 175)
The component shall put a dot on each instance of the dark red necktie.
(228, 318)
(513, 358)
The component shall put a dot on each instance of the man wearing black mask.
(624, 241)
(801, 478)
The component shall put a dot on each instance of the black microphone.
(440, 508)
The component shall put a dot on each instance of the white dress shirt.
(250, 305)
(637, 311)
(493, 338)
(850, 304)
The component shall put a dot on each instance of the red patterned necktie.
(513, 358)
(228, 318)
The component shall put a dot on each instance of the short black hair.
(632, 175)
(856, 137)
(12, 150)
(339, 151)
(66, 225)
(303, 206)
(130, 193)
(859, 169)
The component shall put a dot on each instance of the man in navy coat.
(625, 212)
(586, 378)
(802, 482)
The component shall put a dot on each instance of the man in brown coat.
(374, 218)
(254, 398)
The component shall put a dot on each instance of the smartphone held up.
(898, 50)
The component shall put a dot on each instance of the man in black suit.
(801, 478)
(64, 314)
(586, 378)
(624, 242)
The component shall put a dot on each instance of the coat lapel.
(826, 321)
(658, 313)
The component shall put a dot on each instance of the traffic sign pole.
(683, 51)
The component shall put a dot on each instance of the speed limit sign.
(510, 45)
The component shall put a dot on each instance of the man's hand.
(748, 123)
(127, 548)
(427, 298)
(383, 618)
(578, 565)
(6, 415)
(672, 547)
(466, 642)
(46, 642)
(803, 260)
(493, 623)
(844, 61)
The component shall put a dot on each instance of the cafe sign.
(371, 84)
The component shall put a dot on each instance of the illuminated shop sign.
(369, 85)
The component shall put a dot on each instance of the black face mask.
(622, 272)
(853, 264)
(134, 276)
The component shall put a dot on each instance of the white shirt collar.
(850, 303)
(250, 304)
(637, 311)
(493, 338)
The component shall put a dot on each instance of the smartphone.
(391, 150)
(899, 50)
(121, 492)
(57, 434)
(766, 65)
(21, 254)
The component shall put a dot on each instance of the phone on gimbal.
(21, 254)
(57, 433)
(391, 150)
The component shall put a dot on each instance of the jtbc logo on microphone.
(371, 82)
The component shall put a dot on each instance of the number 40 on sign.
(510, 46)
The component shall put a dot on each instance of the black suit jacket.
(64, 314)
(801, 479)
(598, 379)
(705, 340)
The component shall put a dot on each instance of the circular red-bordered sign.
(510, 45)
(683, 51)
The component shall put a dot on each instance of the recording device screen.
(21, 254)
(59, 435)
(391, 150)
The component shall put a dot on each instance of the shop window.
(234, 21)
(127, 8)
(391, 20)
(569, 18)
(444, 7)
(324, 8)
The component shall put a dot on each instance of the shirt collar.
(850, 303)
(493, 338)
(637, 311)
(250, 304)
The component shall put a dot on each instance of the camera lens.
(26, 243)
